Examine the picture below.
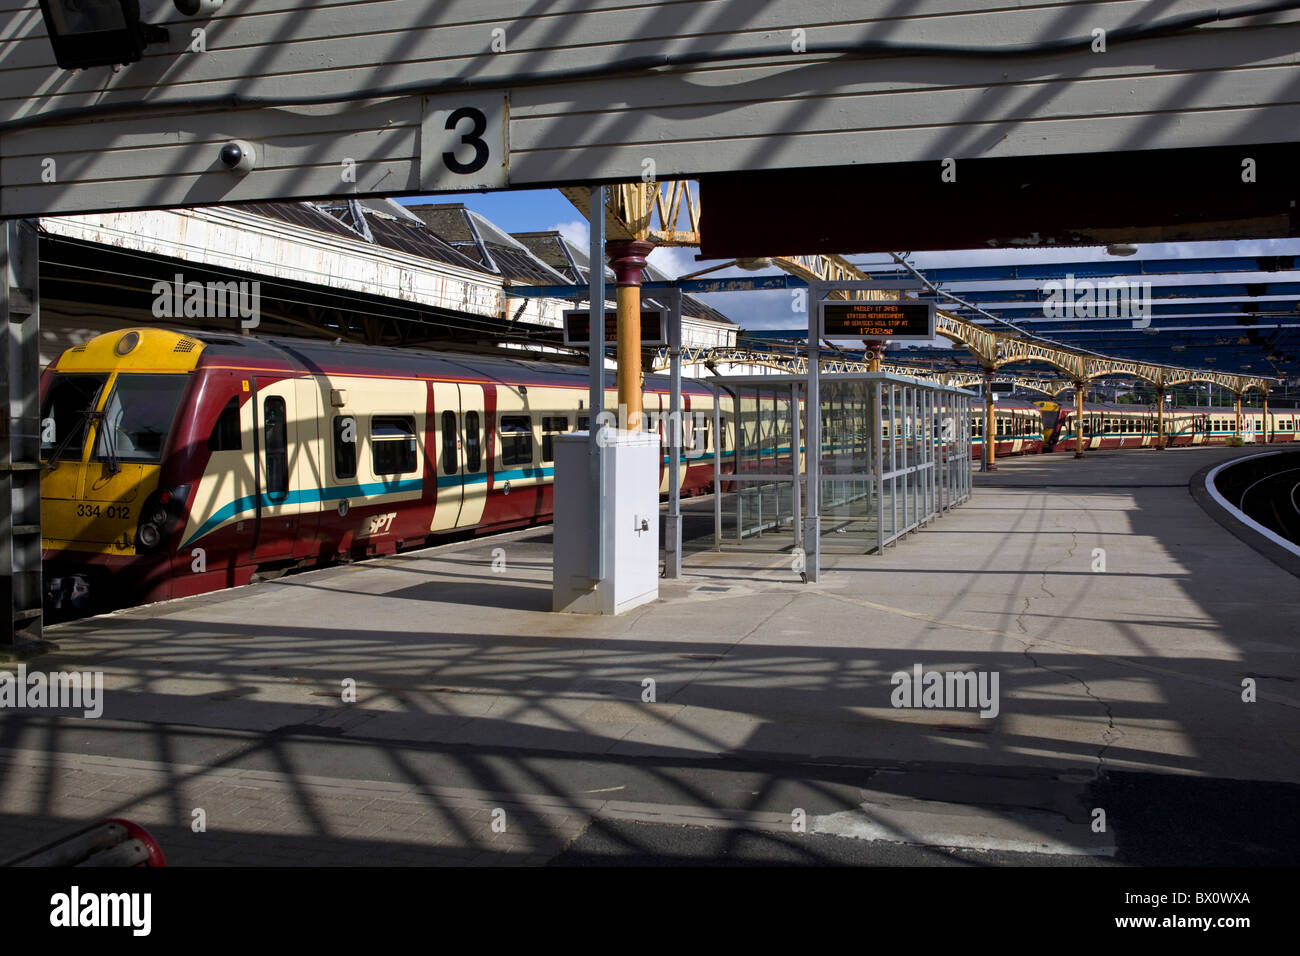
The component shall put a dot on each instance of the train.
(1135, 426)
(178, 463)
(1023, 427)
(1017, 428)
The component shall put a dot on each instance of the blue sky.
(543, 209)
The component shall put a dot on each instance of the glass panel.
(550, 426)
(68, 404)
(345, 447)
(473, 447)
(138, 416)
(516, 440)
(225, 432)
(449, 464)
(392, 445)
(275, 428)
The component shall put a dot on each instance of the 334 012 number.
(120, 512)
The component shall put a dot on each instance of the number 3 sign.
(463, 142)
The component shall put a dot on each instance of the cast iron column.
(627, 257)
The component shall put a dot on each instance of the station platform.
(1120, 689)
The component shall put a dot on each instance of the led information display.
(898, 321)
(577, 327)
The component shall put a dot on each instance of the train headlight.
(127, 343)
(159, 517)
(149, 535)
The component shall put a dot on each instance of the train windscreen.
(137, 417)
(69, 402)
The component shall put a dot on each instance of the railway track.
(1266, 490)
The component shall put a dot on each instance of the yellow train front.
(114, 489)
(1018, 428)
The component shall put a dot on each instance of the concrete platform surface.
(1119, 618)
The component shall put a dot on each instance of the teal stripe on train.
(249, 502)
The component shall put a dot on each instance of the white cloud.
(674, 260)
(577, 232)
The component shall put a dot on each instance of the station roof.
(490, 246)
(1247, 322)
(354, 221)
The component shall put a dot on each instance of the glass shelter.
(894, 454)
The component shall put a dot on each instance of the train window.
(275, 427)
(584, 423)
(137, 417)
(449, 464)
(549, 427)
(225, 432)
(392, 444)
(345, 447)
(64, 413)
(516, 440)
(473, 450)
(700, 440)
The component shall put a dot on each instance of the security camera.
(238, 156)
(194, 7)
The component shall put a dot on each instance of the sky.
(548, 209)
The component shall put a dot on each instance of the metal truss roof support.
(796, 364)
(651, 210)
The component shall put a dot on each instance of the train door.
(307, 463)
(473, 432)
(461, 463)
(275, 440)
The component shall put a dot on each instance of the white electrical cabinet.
(629, 497)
